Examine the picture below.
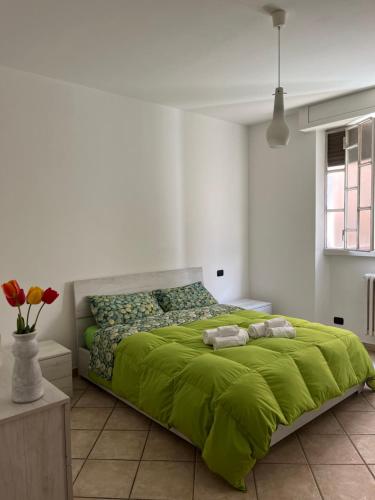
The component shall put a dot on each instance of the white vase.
(27, 381)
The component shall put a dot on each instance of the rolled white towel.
(209, 335)
(243, 331)
(229, 330)
(282, 331)
(221, 331)
(276, 322)
(231, 341)
(257, 330)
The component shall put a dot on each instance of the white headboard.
(127, 283)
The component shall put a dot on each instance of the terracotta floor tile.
(80, 383)
(330, 450)
(285, 482)
(209, 486)
(105, 479)
(82, 442)
(164, 445)
(360, 423)
(96, 398)
(155, 425)
(115, 445)
(127, 419)
(325, 424)
(164, 481)
(365, 444)
(357, 402)
(89, 418)
(345, 482)
(76, 466)
(76, 397)
(370, 397)
(287, 451)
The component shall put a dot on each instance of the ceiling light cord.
(278, 57)
(278, 132)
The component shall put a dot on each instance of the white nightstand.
(35, 443)
(56, 364)
(253, 305)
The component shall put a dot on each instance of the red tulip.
(12, 302)
(13, 293)
(21, 298)
(11, 289)
(49, 296)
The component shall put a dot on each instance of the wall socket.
(338, 321)
(220, 272)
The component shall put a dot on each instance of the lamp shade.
(278, 131)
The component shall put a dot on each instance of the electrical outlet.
(220, 272)
(338, 321)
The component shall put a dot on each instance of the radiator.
(370, 308)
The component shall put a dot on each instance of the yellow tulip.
(34, 295)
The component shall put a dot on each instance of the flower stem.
(27, 317)
(20, 322)
(37, 316)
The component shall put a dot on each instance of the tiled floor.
(118, 453)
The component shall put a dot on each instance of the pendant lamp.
(278, 131)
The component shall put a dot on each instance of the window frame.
(344, 250)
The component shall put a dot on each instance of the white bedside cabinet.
(56, 364)
(35, 456)
(253, 305)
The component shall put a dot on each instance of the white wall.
(323, 311)
(93, 184)
(216, 202)
(348, 291)
(282, 219)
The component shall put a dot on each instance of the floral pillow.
(109, 310)
(184, 297)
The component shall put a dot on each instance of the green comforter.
(229, 402)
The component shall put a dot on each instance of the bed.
(232, 404)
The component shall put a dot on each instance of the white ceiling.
(216, 57)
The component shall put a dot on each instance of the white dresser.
(254, 305)
(35, 457)
(56, 364)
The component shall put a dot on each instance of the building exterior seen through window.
(349, 190)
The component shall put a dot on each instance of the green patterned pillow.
(109, 310)
(184, 297)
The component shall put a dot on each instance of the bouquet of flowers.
(16, 297)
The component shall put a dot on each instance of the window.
(349, 188)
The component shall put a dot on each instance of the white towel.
(257, 330)
(231, 341)
(229, 330)
(276, 322)
(209, 335)
(221, 331)
(282, 331)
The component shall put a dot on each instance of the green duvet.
(229, 402)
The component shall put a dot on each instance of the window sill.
(348, 253)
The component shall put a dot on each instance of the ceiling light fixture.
(278, 131)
